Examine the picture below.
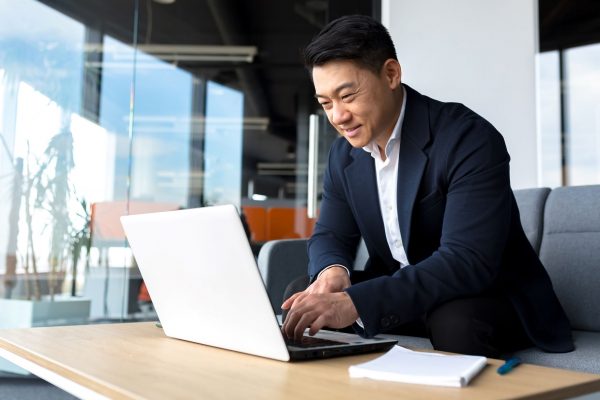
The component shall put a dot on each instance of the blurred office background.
(114, 107)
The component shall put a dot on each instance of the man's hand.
(317, 310)
(332, 280)
(324, 303)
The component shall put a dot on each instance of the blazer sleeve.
(336, 234)
(475, 228)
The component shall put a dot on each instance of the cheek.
(375, 115)
(362, 110)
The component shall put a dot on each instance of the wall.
(479, 53)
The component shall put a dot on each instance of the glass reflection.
(161, 132)
(41, 86)
(64, 129)
(223, 145)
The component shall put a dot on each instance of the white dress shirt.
(387, 187)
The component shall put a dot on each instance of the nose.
(339, 114)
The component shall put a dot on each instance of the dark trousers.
(485, 325)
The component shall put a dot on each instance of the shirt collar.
(372, 146)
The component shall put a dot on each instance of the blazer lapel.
(363, 191)
(412, 161)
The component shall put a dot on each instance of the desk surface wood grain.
(137, 361)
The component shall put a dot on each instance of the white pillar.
(479, 53)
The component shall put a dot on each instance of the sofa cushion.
(586, 356)
(570, 251)
(412, 342)
(531, 204)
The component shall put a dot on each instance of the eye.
(325, 104)
(348, 97)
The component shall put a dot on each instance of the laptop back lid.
(203, 280)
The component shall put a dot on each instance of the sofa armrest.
(531, 203)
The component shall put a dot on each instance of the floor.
(592, 396)
(31, 388)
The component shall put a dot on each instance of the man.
(426, 185)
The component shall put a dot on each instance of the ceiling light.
(182, 52)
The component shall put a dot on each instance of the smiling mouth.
(352, 131)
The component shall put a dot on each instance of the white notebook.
(404, 365)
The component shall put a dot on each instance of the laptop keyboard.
(309, 341)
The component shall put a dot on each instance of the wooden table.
(136, 361)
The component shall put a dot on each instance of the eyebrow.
(341, 87)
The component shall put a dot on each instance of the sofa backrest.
(570, 251)
(279, 263)
(531, 204)
(282, 261)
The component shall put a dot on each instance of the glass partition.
(115, 107)
(65, 136)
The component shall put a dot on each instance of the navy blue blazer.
(459, 223)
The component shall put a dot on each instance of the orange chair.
(107, 231)
(256, 217)
(105, 224)
(288, 223)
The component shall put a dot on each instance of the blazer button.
(385, 322)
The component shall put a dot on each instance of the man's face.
(361, 105)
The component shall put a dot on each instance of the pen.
(509, 365)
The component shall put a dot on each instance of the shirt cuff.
(331, 266)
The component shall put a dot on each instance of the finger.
(293, 318)
(290, 300)
(304, 322)
(290, 324)
(317, 325)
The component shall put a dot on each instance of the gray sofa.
(563, 226)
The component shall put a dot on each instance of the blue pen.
(509, 365)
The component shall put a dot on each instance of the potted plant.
(46, 203)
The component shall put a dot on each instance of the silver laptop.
(206, 287)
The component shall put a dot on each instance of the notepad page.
(403, 365)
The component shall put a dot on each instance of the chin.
(356, 142)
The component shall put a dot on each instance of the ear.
(392, 73)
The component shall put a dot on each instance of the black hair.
(355, 37)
